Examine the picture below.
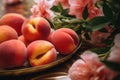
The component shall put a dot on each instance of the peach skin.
(14, 20)
(41, 52)
(36, 28)
(72, 34)
(22, 38)
(13, 53)
(7, 33)
(65, 40)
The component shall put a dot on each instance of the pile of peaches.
(32, 40)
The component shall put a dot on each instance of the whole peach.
(14, 20)
(65, 40)
(13, 53)
(41, 52)
(36, 28)
(7, 33)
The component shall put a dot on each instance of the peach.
(13, 53)
(72, 34)
(41, 52)
(65, 40)
(14, 20)
(22, 38)
(7, 33)
(36, 28)
(50, 35)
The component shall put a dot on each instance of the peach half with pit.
(13, 53)
(36, 28)
(7, 33)
(14, 20)
(65, 40)
(41, 52)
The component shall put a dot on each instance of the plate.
(27, 70)
(53, 76)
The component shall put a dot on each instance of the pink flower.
(42, 8)
(91, 59)
(89, 67)
(77, 8)
(64, 3)
(117, 40)
(97, 37)
(115, 50)
(115, 54)
(80, 71)
(105, 73)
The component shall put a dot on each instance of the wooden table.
(24, 9)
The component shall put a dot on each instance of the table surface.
(24, 9)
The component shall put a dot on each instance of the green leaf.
(107, 11)
(100, 50)
(55, 9)
(65, 12)
(103, 30)
(85, 13)
(60, 7)
(112, 65)
(98, 23)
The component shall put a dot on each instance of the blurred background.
(22, 7)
